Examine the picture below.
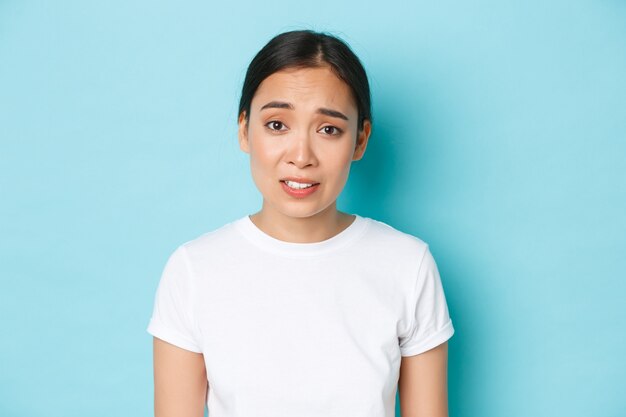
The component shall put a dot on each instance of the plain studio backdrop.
(499, 139)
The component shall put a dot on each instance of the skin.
(423, 384)
(180, 381)
(299, 141)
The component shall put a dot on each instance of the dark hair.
(302, 49)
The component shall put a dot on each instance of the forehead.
(317, 86)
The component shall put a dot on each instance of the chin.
(300, 213)
(300, 209)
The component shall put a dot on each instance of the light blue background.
(500, 139)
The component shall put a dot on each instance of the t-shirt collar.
(272, 244)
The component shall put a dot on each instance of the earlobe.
(243, 133)
(361, 140)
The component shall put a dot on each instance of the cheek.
(340, 163)
(263, 153)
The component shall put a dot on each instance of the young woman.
(301, 309)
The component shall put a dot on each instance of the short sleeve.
(172, 319)
(428, 311)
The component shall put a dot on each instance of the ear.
(244, 145)
(361, 140)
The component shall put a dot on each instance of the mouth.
(299, 185)
(299, 188)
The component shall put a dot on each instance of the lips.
(299, 187)
(299, 180)
(298, 183)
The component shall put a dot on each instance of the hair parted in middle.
(308, 49)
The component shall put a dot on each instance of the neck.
(316, 228)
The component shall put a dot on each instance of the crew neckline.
(258, 237)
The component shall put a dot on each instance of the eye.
(275, 125)
(331, 130)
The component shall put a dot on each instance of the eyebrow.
(321, 110)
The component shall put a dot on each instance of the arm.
(423, 383)
(180, 382)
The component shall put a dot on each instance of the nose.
(300, 152)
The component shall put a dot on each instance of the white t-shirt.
(302, 329)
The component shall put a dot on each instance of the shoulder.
(221, 239)
(384, 235)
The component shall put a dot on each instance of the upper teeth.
(298, 185)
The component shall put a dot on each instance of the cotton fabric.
(302, 329)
